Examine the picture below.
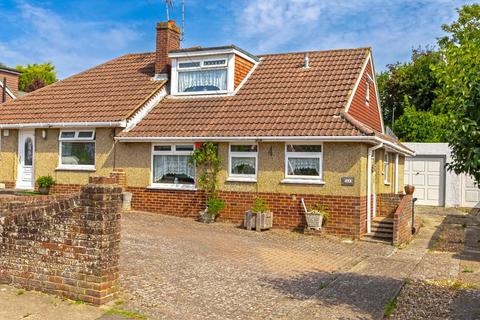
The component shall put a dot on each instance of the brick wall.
(387, 203)
(68, 247)
(402, 221)
(348, 214)
(12, 83)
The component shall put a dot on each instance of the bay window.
(303, 162)
(77, 149)
(243, 162)
(171, 166)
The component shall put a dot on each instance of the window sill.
(303, 181)
(241, 179)
(185, 187)
(76, 168)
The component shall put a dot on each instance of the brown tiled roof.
(106, 93)
(279, 99)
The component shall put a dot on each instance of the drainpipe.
(413, 215)
(369, 185)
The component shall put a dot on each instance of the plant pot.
(314, 221)
(258, 220)
(409, 189)
(126, 201)
(44, 190)
(206, 217)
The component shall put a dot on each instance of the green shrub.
(45, 181)
(215, 205)
(260, 205)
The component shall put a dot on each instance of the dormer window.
(202, 76)
(209, 71)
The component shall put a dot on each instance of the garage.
(434, 184)
(427, 175)
(470, 193)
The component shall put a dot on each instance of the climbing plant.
(208, 163)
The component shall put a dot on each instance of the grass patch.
(467, 270)
(20, 292)
(77, 302)
(390, 307)
(322, 286)
(119, 302)
(125, 313)
(464, 225)
(454, 284)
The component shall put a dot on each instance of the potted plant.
(317, 216)
(214, 206)
(206, 160)
(44, 184)
(259, 217)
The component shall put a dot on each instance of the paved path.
(174, 268)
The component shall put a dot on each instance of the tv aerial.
(169, 6)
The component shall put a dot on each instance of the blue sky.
(75, 35)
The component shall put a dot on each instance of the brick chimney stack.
(168, 38)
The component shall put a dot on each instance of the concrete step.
(371, 238)
(382, 220)
(382, 235)
(382, 229)
(7, 191)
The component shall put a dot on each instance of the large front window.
(172, 166)
(77, 149)
(209, 75)
(303, 161)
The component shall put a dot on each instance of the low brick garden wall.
(387, 203)
(67, 246)
(402, 221)
(347, 213)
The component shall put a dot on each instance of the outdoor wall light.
(44, 134)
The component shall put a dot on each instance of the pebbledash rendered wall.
(347, 203)
(67, 246)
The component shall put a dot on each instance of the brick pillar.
(120, 177)
(100, 202)
(168, 38)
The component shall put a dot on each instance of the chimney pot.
(168, 39)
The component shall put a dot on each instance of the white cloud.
(392, 28)
(70, 45)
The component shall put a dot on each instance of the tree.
(35, 76)
(419, 126)
(414, 80)
(459, 90)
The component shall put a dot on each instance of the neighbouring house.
(288, 126)
(8, 84)
(434, 184)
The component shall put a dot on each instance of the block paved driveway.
(176, 268)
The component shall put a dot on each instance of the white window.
(303, 162)
(77, 149)
(386, 172)
(202, 76)
(172, 167)
(243, 162)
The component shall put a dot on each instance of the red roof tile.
(106, 93)
(279, 99)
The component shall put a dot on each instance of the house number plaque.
(348, 181)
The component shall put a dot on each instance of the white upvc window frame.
(172, 151)
(229, 65)
(242, 154)
(311, 155)
(76, 138)
(386, 168)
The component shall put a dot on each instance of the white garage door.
(470, 193)
(426, 174)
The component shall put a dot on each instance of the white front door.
(426, 174)
(470, 193)
(26, 152)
